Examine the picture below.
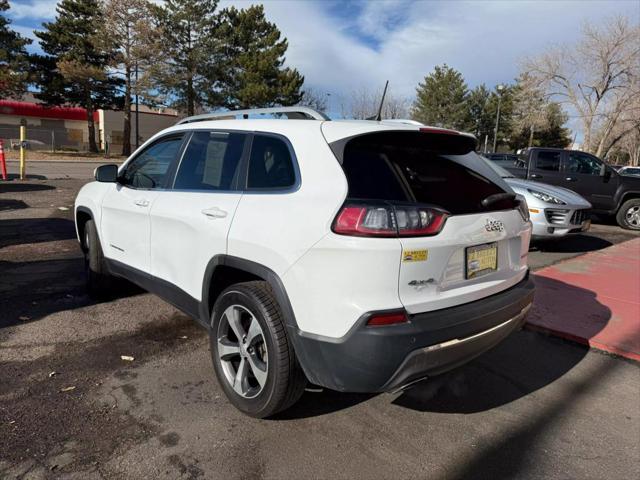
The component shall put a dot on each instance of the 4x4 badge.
(494, 225)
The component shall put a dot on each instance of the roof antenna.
(378, 117)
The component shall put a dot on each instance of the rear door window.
(210, 161)
(417, 168)
(270, 164)
(548, 161)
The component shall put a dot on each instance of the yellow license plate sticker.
(415, 255)
(482, 259)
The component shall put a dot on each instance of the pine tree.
(14, 59)
(253, 55)
(550, 132)
(74, 69)
(555, 134)
(188, 68)
(481, 117)
(441, 99)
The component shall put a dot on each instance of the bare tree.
(630, 145)
(529, 106)
(315, 99)
(127, 28)
(364, 103)
(598, 77)
(625, 137)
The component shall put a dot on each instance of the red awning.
(27, 109)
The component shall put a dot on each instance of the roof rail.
(299, 113)
(405, 121)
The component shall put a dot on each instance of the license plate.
(481, 259)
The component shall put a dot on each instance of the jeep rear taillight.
(388, 220)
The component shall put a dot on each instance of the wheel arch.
(225, 270)
(627, 196)
(82, 216)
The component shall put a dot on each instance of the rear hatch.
(477, 241)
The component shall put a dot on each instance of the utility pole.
(499, 88)
(137, 111)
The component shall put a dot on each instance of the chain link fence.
(43, 139)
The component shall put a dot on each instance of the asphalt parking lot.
(534, 407)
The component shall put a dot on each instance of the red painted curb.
(593, 299)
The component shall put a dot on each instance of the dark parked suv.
(608, 192)
(502, 159)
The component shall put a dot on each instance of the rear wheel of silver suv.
(252, 355)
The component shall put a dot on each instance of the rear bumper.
(379, 359)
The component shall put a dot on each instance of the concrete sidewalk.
(593, 299)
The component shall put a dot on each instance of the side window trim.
(244, 173)
(235, 185)
(168, 180)
(175, 166)
(564, 162)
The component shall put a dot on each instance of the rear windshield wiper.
(497, 197)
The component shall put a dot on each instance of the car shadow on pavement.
(30, 291)
(524, 363)
(7, 204)
(22, 231)
(19, 186)
(316, 402)
(508, 456)
(579, 243)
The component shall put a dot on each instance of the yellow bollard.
(23, 141)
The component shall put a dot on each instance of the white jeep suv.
(360, 256)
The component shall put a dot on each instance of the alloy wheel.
(242, 350)
(632, 216)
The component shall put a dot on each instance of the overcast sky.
(339, 46)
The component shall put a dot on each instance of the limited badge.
(415, 255)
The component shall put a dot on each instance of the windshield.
(496, 168)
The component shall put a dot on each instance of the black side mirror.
(107, 173)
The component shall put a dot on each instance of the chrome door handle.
(535, 175)
(571, 179)
(141, 202)
(214, 212)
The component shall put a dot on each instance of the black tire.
(285, 380)
(99, 282)
(628, 215)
